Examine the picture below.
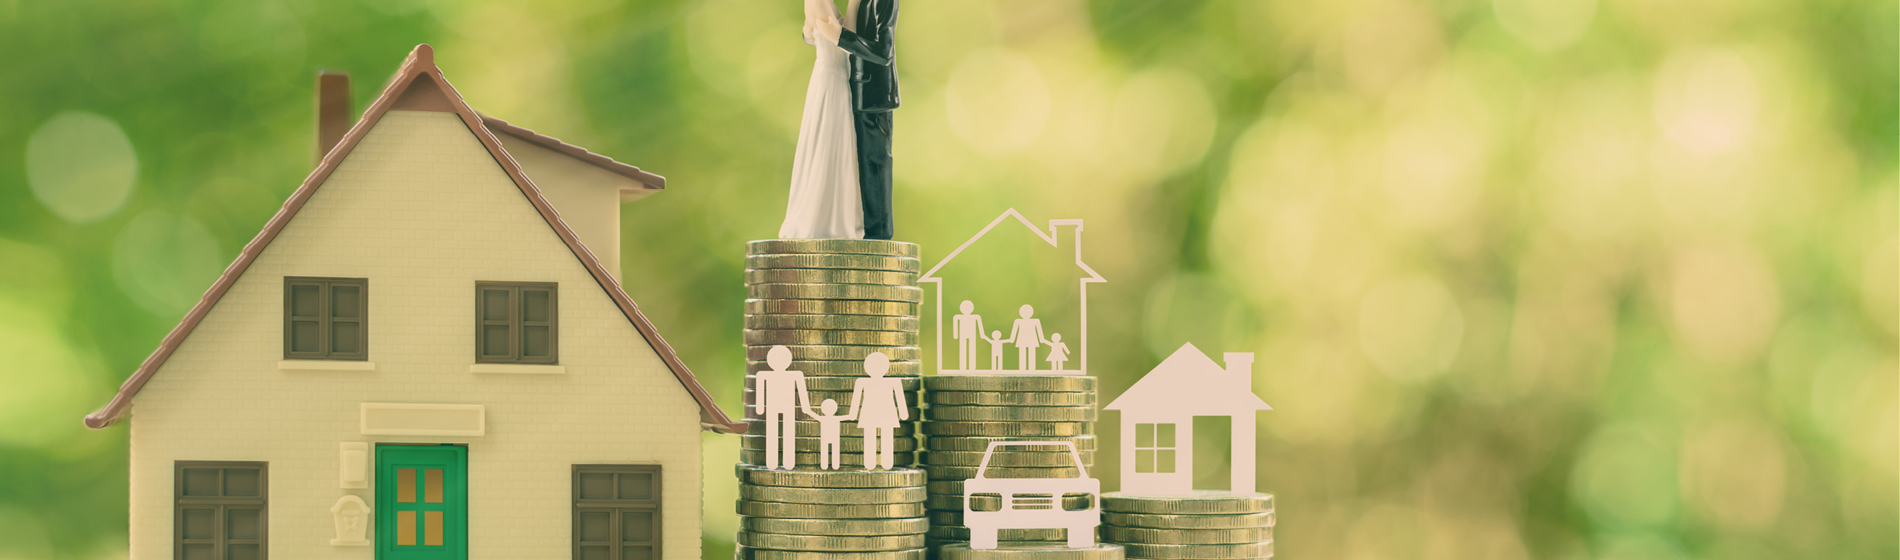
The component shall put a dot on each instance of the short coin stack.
(1031, 551)
(1210, 525)
(966, 413)
(832, 302)
(830, 515)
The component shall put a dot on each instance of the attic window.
(326, 319)
(516, 323)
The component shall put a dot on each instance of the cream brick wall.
(423, 212)
(587, 197)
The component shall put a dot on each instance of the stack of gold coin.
(832, 302)
(830, 514)
(966, 414)
(1031, 551)
(1213, 525)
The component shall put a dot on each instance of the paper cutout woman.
(878, 403)
(1028, 335)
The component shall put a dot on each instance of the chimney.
(1240, 370)
(333, 110)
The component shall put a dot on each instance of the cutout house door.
(421, 502)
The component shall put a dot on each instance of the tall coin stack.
(830, 515)
(966, 413)
(1210, 525)
(832, 302)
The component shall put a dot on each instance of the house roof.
(1187, 380)
(647, 179)
(1050, 238)
(418, 85)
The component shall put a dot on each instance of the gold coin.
(809, 428)
(938, 472)
(1011, 398)
(843, 398)
(1013, 413)
(837, 261)
(1198, 503)
(1041, 383)
(757, 457)
(832, 246)
(810, 445)
(1186, 536)
(830, 352)
(836, 527)
(827, 543)
(1199, 551)
(829, 307)
(829, 511)
(905, 294)
(961, 533)
(1033, 551)
(994, 502)
(953, 443)
(1165, 521)
(862, 338)
(847, 478)
(885, 323)
(1006, 429)
(845, 384)
(832, 276)
(843, 368)
(792, 494)
(743, 552)
(1006, 458)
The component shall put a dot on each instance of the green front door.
(421, 502)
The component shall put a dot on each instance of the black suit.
(873, 49)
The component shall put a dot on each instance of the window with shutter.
(219, 510)
(516, 323)
(616, 512)
(326, 318)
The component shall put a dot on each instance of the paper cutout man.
(966, 328)
(878, 404)
(830, 454)
(1058, 352)
(1028, 335)
(779, 395)
(996, 349)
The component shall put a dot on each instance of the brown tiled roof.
(650, 180)
(418, 85)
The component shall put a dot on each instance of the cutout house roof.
(418, 85)
(1052, 237)
(1190, 381)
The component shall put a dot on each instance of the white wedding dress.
(824, 202)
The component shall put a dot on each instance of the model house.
(1157, 421)
(426, 353)
(1012, 256)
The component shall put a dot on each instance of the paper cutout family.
(1026, 333)
(877, 405)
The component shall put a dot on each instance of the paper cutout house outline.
(1186, 385)
(1052, 237)
(509, 445)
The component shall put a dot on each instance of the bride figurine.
(825, 202)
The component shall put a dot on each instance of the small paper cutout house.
(1157, 421)
(1053, 237)
(433, 323)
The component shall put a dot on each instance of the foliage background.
(1528, 278)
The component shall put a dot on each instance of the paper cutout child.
(781, 394)
(878, 404)
(830, 452)
(1028, 335)
(966, 327)
(996, 349)
(1058, 352)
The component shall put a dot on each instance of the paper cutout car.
(1032, 503)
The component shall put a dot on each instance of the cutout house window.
(1154, 448)
(219, 510)
(616, 512)
(515, 323)
(326, 319)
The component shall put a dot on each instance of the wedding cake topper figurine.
(854, 80)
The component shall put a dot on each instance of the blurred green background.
(1527, 278)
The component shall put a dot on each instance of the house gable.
(418, 93)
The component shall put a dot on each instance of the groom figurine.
(872, 44)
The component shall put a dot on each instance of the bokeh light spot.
(1545, 24)
(996, 101)
(1707, 100)
(1734, 473)
(1626, 478)
(1724, 302)
(165, 261)
(1410, 327)
(81, 166)
(46, 387)
(1163, 122)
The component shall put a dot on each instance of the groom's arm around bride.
(872, 43)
